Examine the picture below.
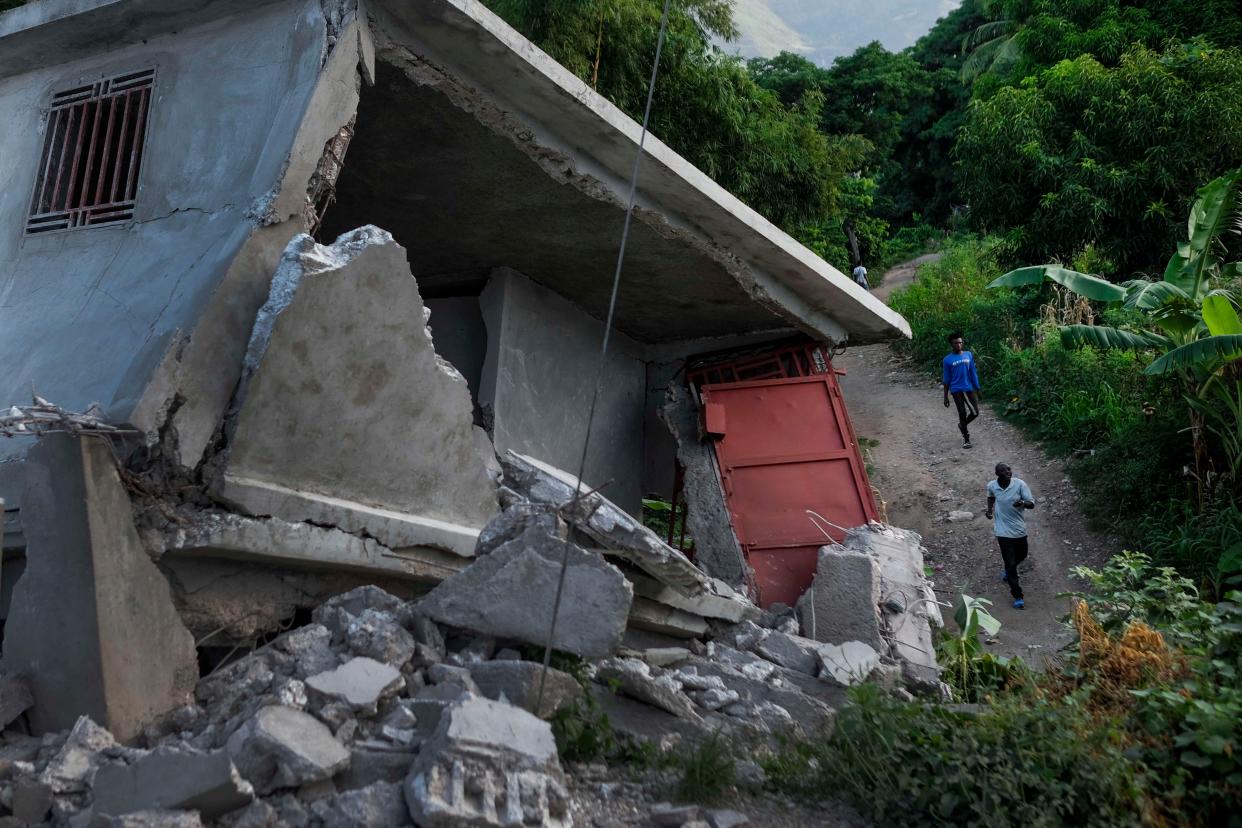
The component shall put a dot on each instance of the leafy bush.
(971, 671)
(707, 768)
(1024, 761)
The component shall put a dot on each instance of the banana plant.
(1191, 321)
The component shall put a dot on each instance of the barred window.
(92, 153)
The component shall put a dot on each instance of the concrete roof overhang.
(703, 263)
(469, 42)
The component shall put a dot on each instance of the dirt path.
(902, 274)
(923, 474)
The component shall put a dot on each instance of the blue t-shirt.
(959, 372)
(1008, 521)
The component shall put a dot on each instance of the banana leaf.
(1220, 315)
(1105, 337)
(1092, 287)
(1197, 354)
(1144, 295)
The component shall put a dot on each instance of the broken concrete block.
(635, 679)
(847, 664)
(792, 652)
(379, 805)
(605, 522)
(116, 649)
(31, 801)
(715, 698)
(73, 767)
(173, 779)
(284, 748)
(511, 593)
(720, 818)
(360, 682)
(149, 819)
(843, 601)
(257, 814)
(452, 674)
(311, 648)
(430, 703)
(515, 520)
(488, 764)
(15, 699)
(374, 762)
(418, 475)
(517, 682)
(377, 635)
(668, 814)
(353, 604)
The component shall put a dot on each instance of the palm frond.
(1208, 351)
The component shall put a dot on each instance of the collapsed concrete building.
(327, 264)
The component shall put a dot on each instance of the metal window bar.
(92, 154)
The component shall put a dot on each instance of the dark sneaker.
(967, 444)
(1019, 604)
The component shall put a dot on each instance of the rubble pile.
(437, 711)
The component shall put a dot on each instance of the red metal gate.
(785, 446)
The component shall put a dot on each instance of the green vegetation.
(1139, 727)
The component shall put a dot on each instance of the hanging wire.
(603, 353)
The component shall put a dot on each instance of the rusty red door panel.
(788, 446)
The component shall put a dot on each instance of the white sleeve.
(1027, 490)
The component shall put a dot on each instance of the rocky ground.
(438, 713)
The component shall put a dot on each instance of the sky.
(822, 30)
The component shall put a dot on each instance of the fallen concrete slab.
(171, 779)
(605, 522)
(417, 474)
(847, 664)
(511, 592)
(639, 680)
(360, 683)
(284, 748)
(488, 764)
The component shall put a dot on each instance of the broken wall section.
(346, 416)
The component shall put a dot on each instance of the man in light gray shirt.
(1008, 499)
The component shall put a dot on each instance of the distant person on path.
(860, 276)
(961, 379)
(1008, 499)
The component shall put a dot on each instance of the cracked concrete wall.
(346, 415)
(542, 358)
(90, 314)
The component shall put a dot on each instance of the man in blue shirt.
(1008, 499)
(961, 379)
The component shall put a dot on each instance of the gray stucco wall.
(87, 314)
(542, 357)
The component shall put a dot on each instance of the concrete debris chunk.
(150, 819)
(636, 680)
(719, 818)
(311, 648)
(284, 748)
(715, 699)
(168, 778)
(847, 664)
(511, 592)
(378, 805)
(792, 652)
(488, 764)
(31, 801)
(370, 763)
(517, 682)
(377, 635)
(73, 767)
(15, 698)
(360, 682)
(513, 521)
(665, 813)
(843, 601)
(430, 703)
(605, 522)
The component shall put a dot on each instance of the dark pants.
(1013, 552)
(967, 410)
